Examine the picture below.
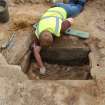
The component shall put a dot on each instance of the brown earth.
(56, 92)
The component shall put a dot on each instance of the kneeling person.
(54, 22)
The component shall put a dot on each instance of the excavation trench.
(66, 60)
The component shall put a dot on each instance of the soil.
(61, 72)
(25, 13)
(90, 92)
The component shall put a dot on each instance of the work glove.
(43, 70)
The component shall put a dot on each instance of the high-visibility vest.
(51, 21)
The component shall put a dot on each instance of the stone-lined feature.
(66, 52)
(12, 72)
(20, 47)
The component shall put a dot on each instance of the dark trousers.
(73, 7)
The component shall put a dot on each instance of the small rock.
(55, 66)
(68, 69)
(3, 60)
(63, 68)
(25, 63)
(66, 52)
(12, 72)
(21, 46)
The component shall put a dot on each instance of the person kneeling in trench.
(52, 24)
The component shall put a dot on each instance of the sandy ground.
(93, 19)
(23, 14)
(46, 93)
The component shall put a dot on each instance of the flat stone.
(3, 60)
(66, 52)
(19, 48)
(12, 72)
(2, 36)
(25, 63)
(96, 63)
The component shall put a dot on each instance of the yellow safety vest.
(51, 21)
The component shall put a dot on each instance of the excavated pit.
(64, 61)
(61, 72)
(58, 92)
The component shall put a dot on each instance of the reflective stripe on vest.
(57, 25)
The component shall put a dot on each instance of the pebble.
(1, 8)
(68, 69)
(55, 66)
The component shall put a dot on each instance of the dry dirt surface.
(23, 13)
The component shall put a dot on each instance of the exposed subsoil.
(61, 72)
(23, 16)
(55, 92)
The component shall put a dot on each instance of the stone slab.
(20, 47)
(66, 52)
(25, 63)
(12, 72)
(3, 60)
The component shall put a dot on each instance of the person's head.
(46, 39)
(66, 24)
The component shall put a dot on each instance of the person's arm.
(36, 50)
(66, 24)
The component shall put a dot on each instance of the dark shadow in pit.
(65, 60)
(60, 71)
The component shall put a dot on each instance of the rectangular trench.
(66, 60)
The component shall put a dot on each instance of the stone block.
(66, 52)
(3, 60)
(12, 72)
(20, 47)
(25, 63)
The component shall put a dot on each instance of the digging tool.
(77, 33)
(10, 42)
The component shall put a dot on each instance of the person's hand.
(43, 70)
(71, 20)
